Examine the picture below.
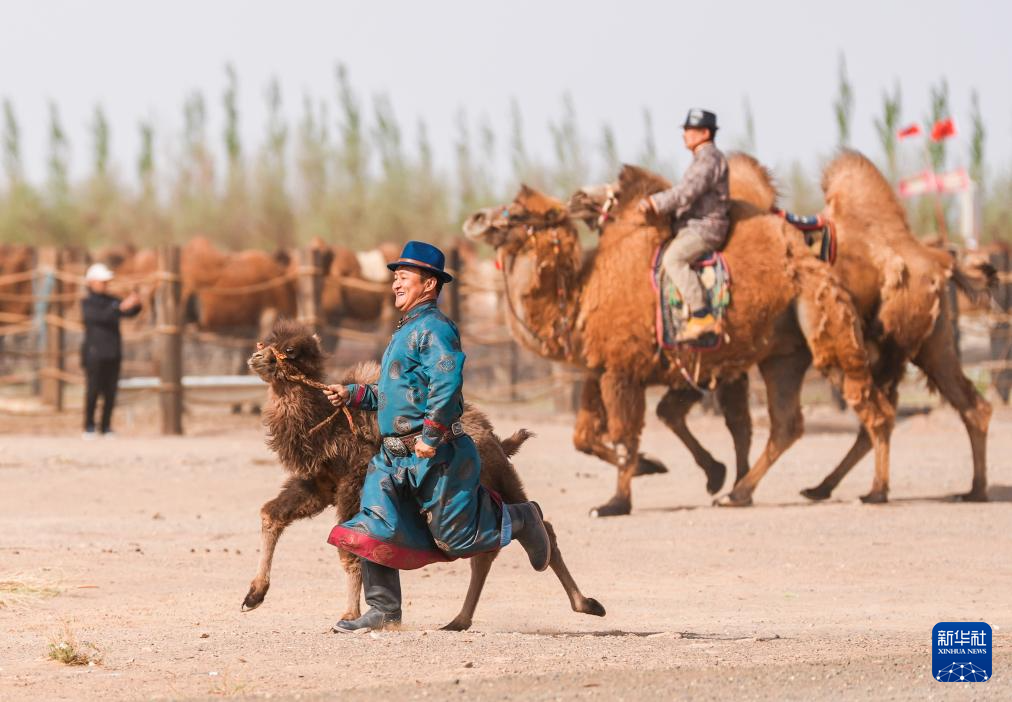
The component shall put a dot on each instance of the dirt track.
(149, 545)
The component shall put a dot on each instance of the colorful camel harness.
(292, 374)
(819, 232)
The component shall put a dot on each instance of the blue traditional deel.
(416, 511)
(425, 256)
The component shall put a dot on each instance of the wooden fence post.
(168, 311)
(454, 265)
(34, 337)
(50, 262)
(1001, 331)
(513, 363)
(309, 286)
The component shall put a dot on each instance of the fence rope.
(252, 288)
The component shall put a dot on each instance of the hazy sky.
(139, 59)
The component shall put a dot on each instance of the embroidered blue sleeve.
(443, 362)
(362, 397)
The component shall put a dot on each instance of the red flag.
(909, 131)
(943, 129)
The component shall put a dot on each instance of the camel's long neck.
(292, 410)
(543, 303)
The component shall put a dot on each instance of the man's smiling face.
(411, 286)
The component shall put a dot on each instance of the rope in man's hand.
(288, 372)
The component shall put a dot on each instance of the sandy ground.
(145, 547)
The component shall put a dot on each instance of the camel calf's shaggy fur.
(328, 467)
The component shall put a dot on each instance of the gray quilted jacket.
(700, 200)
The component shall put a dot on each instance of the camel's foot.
(590, 606)
(615, 507)
(976, 495)
(648, 465)
(875, 497)
(351, 614)
(817, 494)
(458, 624)
(237, 409)
(734, 499)
(255, 597)
(716, 474)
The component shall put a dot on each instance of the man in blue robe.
(422, 500)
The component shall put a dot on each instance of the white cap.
(98, 272)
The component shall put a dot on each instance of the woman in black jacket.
(102, 350)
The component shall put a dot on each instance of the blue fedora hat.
(426, 257)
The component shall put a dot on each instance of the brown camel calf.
(327, 467)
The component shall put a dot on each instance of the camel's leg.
(592, 424)
(480, 565)
(833, 331)
(512, 491)
(353, 579)
(732, 396)
(862, 444)
(298, 499)
(783, 376)
(624, 403)
(348, 492)
(940, 362)
(577, 600)
(672, 409)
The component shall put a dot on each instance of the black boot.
(383, 595)
(529, 529)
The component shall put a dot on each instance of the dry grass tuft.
(65, 649)
(227, 686)
(20, 589)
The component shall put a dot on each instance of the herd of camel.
(860, 321)
(233, 294)
(881, 305)
(226, 292)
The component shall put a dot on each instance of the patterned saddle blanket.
(819, 233)
(715, 276)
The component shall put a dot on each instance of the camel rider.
(699, 204)
(422, 500)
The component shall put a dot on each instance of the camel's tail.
(977, 278)
(512, 444)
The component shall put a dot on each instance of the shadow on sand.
(995, 493)
(691, 635)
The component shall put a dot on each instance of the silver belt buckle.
(457, 429)
(394, 446)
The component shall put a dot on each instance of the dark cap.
(700, 119)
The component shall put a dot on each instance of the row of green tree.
(353, 177)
